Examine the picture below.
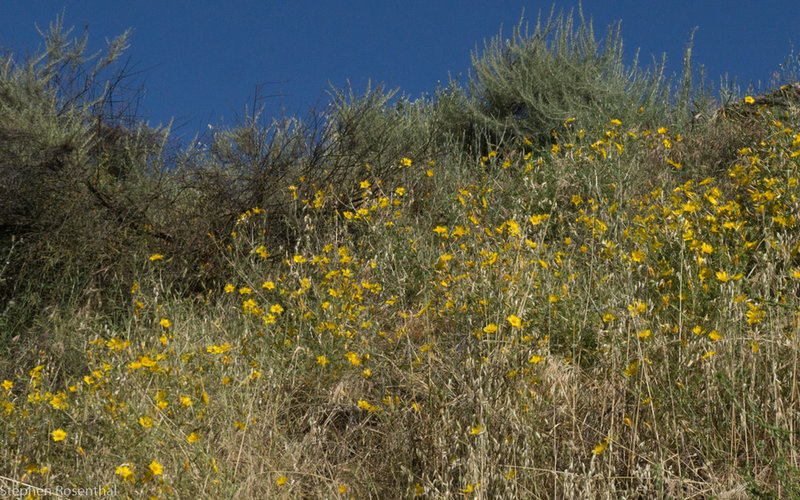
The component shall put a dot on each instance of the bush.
(78, 179)
(529, 85)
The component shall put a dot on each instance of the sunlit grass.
(523, 325)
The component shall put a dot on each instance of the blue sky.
(202, 60)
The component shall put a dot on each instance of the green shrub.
(78, 179)
(529, 85)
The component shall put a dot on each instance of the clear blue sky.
(204, 59)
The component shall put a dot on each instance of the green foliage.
(528, 85)
(271, 167)
(78, 183)
(372, 129)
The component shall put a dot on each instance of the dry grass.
(551, 326)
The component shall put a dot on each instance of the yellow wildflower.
(125, 471)
(601, 447)
(156, 468)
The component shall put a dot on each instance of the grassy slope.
(593, 322)
(609, 312)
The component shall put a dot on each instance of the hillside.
(562, 278)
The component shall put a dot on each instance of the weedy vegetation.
(564, 277)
